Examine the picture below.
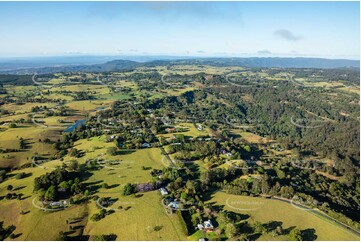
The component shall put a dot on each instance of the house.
(229, 154)
(200, 128)
(166, 121)
(171, 130)
(61, 189)
(163, 191)
(174, 204)
(200, 226)
(145, 145)
(207, 225)
(202, 239)
(58, 203)
(177, 143)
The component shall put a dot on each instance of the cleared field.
(32, 135)
(191, 131)
(33, 224)
(56, 95)
(97, 89)
(253, 138)
(11, 118)
(266, 210)
(88, 105)
(25, 108)
(144, 218)
(140, 222)
(191, 69)
(115, 96)
(351, 89)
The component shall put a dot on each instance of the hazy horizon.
(161, 57)
(197, 29)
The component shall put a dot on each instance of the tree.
(231, 230)
(196, 219)
(265, 186)
(128, 189)
(86, 193)
(12, 125)
(223, 219)
(74, 165)
(50, 194)
(258, 227)
(105, 185)
(112, 151)
(20, 175)
(295, 235)
(247, 148)
(22, 143)
(287, 191)
(256, 186)
(184, 196)
(9, 187)
(64, 185)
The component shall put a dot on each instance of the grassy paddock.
(266, 210)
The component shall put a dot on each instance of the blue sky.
(312, 29)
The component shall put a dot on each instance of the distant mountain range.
(121, 65)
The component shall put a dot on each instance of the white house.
(58, 203)
(145, 145)
(174, 204)
(208, 224)
(163, 191)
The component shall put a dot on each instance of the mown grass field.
(145, 219)
(87, 105)
(138, 222)
(191, 132)
(253, 138)
(34, 225)
(266, 210)
(25, 108)
(32, 134)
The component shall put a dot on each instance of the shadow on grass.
(19, 188)
(125, 152)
